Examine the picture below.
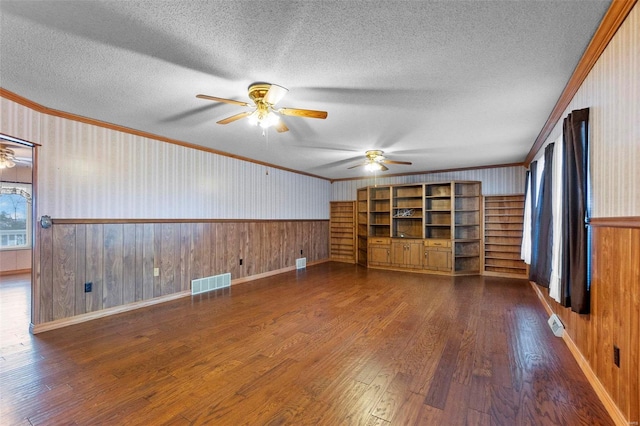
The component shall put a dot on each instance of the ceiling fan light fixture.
(373, 166)
(6, 157)
(270, 120)
(263, 117)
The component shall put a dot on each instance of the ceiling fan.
(263, 112)
(375, 161)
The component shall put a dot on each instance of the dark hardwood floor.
(333, 344)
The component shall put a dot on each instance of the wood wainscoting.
(129, 261)
(614, 318)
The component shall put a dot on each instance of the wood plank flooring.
(334, 344)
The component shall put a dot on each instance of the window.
(15, 216)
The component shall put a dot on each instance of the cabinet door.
(437, 260)
(398, 250)
(379, 255)
(414, 255)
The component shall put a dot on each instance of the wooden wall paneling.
(119, 258)
(273, 255)
(64, 265)
(289, 245)
(225, 236)
(308, 243)
(625, 334)
(609, 272)
(128, 263)
(257, 246)
(301, 249)
(632, 360)
(245, 249)
(186, 255)
(170, 258)
(321, 248)
(157, 259)
(198, 254)
(81, 264)
(139, 263)
(112, 293)
(217, 232)
(94, 266)
(614, 318)
(45, 313)
(148, 259)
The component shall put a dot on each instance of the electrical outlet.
(616, 355)
(88, 287)
(156, 272)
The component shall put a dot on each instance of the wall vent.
(301, 263)
(556, 325)
(202, 285)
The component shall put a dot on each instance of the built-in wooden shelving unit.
(361, 207)
(342, 231)
(426, 227)
(503, 223)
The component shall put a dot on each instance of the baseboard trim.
(65, 322)
(275, 272)
(611, 407)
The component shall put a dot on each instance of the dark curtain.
(575, 286)
(533, 191)
(544, 218)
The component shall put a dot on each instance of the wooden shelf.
(503, 219)
(434, 226)
(342, 231)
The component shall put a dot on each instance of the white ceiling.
(447, 84)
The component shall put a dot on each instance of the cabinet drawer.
(379, 241)
(437, 243)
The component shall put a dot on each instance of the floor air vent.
(556, 325)
(301, 263)
(202, 285)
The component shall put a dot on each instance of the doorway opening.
(17, 236)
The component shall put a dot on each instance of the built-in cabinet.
(427, 227)
(406, 253)
(379, 251)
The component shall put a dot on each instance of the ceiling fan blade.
(228, 101)
(357, 165)
(235, 117)
(281, 127)
(308, 113)
(395, 162)
(275, 94)
(383, 168)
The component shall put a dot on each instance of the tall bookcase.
(362, 231)
(342, 231)
(504, 218)
(427, 227)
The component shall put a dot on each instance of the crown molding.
(4, 93)
(613, 19)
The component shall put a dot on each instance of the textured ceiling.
(446, 84)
